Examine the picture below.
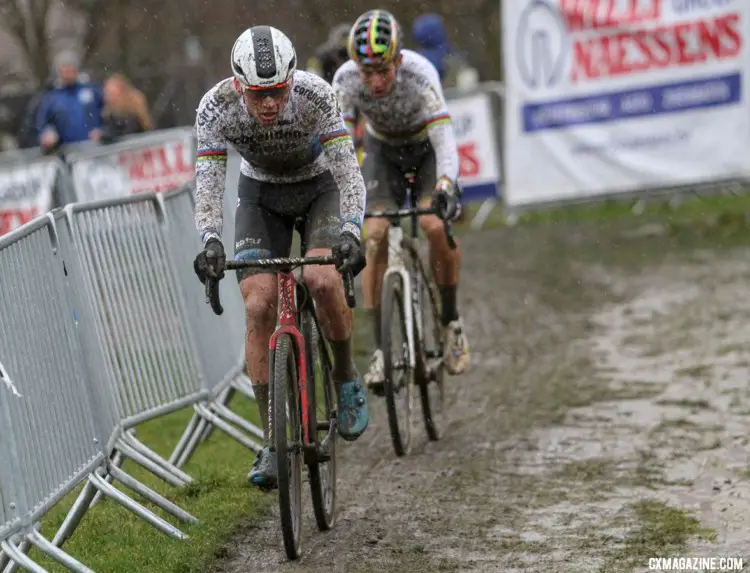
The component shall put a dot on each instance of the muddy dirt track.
(604, 421)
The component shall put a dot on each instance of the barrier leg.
(195, 421)
(228, 428)
(16, 557)
(41, 543)
(75, 515)
(155, 498)
(223, 398)
(149, 465)
(483, 213)
(156, 458)
(117, 460)
(22, 548)
(238, 420)
(135, 507)
(244, 385)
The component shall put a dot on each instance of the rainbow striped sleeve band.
(441, 119)
(211, 154)
(334, 137)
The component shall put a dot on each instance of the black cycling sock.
(375, 316)
(448, 300)
(344, 369)
(261, 397)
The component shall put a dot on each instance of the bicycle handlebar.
(415, 211)
(212, 285)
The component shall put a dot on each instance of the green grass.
(690, 208)
(112, 540)
(659, 530)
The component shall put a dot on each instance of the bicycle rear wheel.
(399, 376)
(287, 440)
(321, 423)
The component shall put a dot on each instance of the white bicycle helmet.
(263, 57)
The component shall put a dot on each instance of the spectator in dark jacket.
(72, 110)
(432, 43)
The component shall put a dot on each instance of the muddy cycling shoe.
(455, 348)
(375, 377)
(264, 473)
(353, 412)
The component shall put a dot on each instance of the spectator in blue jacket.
(72, 110)
(432, 41)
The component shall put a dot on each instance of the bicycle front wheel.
(430, 370)
(322, 424)
(287, 440)
(399, 376)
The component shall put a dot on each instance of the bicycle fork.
(396, 266)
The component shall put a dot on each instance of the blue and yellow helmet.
(375, 38)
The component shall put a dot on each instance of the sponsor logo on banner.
(159, 167)
(473, 126)
(617, 94)
(25, 193)
(133, 169)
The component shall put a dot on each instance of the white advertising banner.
(26, 191)
(474, 128)
(153, 162)
(606, 96)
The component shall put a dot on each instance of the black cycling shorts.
(267, 213)
(384, 167)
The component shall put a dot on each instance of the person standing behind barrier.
(125, 109)
(297, 162)
(72, 110)
(431, 37)
(398, 93)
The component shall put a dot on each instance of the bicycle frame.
(287, 291)
(396, 266)
(287, 324)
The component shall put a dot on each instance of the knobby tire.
(322, 475)
(393, 314)
(289, 460)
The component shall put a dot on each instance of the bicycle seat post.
(411, 180)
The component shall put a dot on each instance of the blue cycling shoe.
(264, 472)
(353, 412)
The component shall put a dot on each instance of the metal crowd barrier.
(50, 440)
(106, 315)
(221, 341)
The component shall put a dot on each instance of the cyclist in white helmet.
(297, 161)
(408, 127)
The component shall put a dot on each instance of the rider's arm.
(210, 168)
(339, 150)
(440, 132)
(345, 101)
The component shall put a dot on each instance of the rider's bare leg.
(336, 320)
(259, 292)
(445, 263)
(334, 314)
(372, 276)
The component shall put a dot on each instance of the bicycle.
(419, 356)
(300, 367)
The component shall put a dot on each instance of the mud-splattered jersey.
(414, 110)
(309, 138)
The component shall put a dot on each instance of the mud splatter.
(604, 420)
